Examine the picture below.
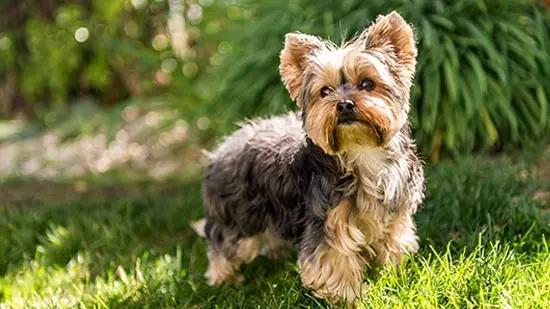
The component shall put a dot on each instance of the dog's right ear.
(294, 58)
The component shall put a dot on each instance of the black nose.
(345, 106)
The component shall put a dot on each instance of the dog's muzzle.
(346, 111)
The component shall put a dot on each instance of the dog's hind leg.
(273, 246)
(226, 252)
(221, 269)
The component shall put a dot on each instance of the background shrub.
(482, 80)
(54, 51)
(483, 67)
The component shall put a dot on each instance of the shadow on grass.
(110, 222)
(142, 228)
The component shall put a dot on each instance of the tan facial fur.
(384, 53)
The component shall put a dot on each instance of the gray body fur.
(269, 175)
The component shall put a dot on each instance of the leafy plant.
(49, 69)
(53, 52)
(482, 75)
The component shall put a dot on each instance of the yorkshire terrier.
(339, 182)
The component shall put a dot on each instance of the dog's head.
(355, 95)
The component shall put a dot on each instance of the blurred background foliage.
(482, 81)
(483, 67)
(53, 51)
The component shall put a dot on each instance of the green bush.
(55, 51)
(53, 65)
(482, 75)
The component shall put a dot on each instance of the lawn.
(102, 242)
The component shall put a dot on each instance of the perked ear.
(392, 32)
(293, 59)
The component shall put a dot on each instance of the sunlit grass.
(483, 246)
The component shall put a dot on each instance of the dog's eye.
(325, 91)
(366, 84)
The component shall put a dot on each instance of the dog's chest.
(381, 178)
(380, 193)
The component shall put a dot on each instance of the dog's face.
(356, 95)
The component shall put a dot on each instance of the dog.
(339, 181)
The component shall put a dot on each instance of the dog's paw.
(351, 295)
(216, 279)
(358, 303)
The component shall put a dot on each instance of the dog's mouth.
(351, 120)
(347, 119)
(355, 126)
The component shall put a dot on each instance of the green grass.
(484, 245)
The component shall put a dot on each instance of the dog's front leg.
(399, 242)
(332, 275)
(334, 268)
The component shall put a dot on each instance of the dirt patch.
(542, 173)
(153, 142)
(542, 170)
(32, 193)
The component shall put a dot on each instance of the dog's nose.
(345, 106)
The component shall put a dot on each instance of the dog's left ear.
(391, 33)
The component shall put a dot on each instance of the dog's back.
(268, 175)
(250, 166)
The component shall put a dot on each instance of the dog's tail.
(200, 226)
